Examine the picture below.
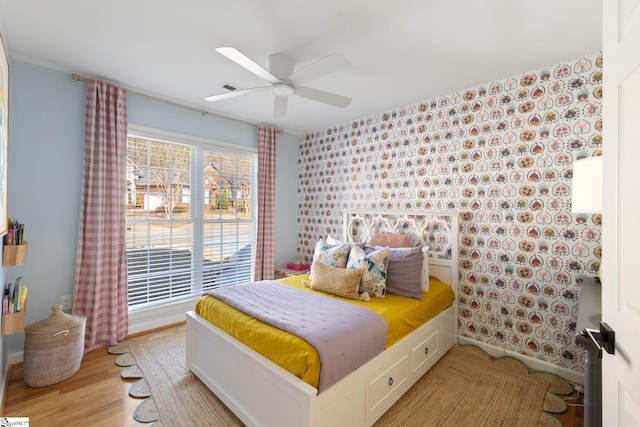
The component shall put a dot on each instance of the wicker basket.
(53, 348)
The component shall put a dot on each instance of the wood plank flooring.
(97, 396)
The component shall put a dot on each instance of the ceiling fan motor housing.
(284, 82)
(280, 65)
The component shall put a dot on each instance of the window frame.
(197, 199)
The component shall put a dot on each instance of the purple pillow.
(404, 272)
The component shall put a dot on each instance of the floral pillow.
(374, 267)
(331, 255)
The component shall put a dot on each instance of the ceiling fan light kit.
(282, 89)
(284, 81)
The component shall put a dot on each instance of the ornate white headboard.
(438, 231)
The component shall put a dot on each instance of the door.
(621, 212)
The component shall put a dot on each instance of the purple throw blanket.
(345, 335)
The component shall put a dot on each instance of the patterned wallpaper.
(502, 155)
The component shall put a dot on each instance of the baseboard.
(571, 376)
(155, 324)
(159, 317)
(18, 357)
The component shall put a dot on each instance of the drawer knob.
(390, 381)
(426, 350)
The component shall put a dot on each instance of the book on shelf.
(14, 298)
(15, 233)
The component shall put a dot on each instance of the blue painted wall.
(46, 146)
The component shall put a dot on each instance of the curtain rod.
(78, 78)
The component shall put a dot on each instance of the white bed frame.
(261, 393)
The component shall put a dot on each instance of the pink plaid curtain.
(266, 195)
(101, 264)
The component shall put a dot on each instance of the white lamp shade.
(586, 191)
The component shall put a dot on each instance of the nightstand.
(279, 273)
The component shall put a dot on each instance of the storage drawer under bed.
(381, 386)
(424, 352)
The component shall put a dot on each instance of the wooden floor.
(574, 415)
(97, 396)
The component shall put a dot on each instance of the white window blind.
(190, 221)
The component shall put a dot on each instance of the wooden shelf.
(13, 323)
(14, 254)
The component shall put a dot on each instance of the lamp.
(586, 197)
(586, 192)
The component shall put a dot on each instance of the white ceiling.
(399, 52)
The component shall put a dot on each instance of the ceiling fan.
(284, 82)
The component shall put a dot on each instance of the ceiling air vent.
(229, 87)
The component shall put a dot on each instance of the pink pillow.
(391, 240)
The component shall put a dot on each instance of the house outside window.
(190, 217)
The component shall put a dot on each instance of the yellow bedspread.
(298, 356)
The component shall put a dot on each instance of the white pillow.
(425, 269)
(333, 241)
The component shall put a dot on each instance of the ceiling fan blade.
(322, 96)
(321, 67)
(280, 107)
(244, 61)
(237, 93)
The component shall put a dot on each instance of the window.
(190, 221)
